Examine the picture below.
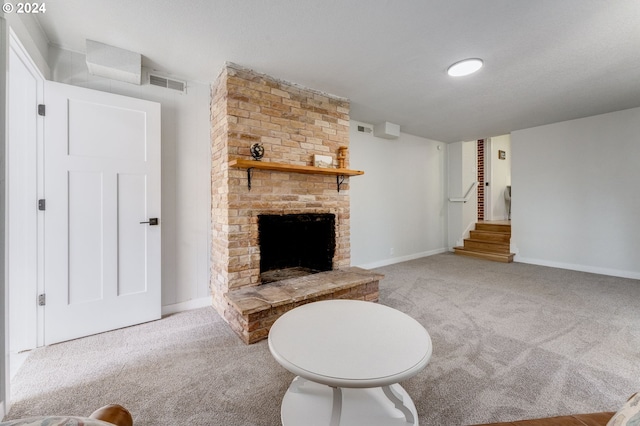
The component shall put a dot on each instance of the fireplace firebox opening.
(294, 245)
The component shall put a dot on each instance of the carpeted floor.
(510, 341)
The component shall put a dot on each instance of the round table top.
(350, 343)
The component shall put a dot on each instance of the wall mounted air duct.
(114, 63)
(386, 130)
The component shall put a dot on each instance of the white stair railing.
(467, 196)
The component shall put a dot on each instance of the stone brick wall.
(219, 181)
(293, 123)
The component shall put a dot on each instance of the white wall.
(463, 172)
(398, 209)
(500, 176)
(575, 194)
(186, 176)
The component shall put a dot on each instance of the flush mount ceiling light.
(465, 67)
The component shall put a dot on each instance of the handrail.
(467, 196)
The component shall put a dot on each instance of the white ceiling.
(545, 60)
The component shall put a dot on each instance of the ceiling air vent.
(167, 83)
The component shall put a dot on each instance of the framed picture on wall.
(502, 155)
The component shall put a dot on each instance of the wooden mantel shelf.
(292, 168)
(281, 167)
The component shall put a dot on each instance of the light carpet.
(510, 341)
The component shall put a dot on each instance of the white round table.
(349, 356)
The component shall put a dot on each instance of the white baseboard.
(393, 260)
(581, 268)
(186, 306)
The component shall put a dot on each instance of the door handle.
(152, 221)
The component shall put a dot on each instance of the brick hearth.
(258, 307)
(293, 123)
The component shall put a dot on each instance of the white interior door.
(101, 180)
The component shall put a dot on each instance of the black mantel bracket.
(249, 174)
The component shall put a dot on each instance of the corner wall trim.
(187, 306)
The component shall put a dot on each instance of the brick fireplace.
(292, 123)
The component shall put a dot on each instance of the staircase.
(490, 240)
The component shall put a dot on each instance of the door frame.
(4, 287)
(34, 259)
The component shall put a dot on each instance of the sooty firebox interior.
(294, 245)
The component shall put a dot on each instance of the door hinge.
(42, 299)
(42, 204)
(41, 109)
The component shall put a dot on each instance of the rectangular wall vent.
(167, 83)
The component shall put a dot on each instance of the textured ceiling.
(545, 60)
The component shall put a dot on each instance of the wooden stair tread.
(494, 232)
(491, 236)
(488, 246)
(496, 257)
(485, 232)
(495, 227)
(500, 243)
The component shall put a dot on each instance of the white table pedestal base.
(308, 403)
